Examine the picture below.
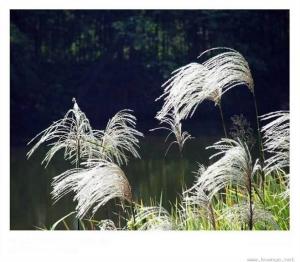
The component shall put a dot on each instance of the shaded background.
(111, 60)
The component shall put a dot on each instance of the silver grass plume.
(239, 214)
(153, 218)
(193, 83)
(72, 133)
(197, 196)
(184, 90)
(94, 185)
(276, 136)
(234, 167)
(118, 138)
(173, 124)
(227, 70)
(107, 224)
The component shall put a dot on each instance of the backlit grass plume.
(184, 90)
(235, 167)
(174, 126)
(277, 140)
(194, 83)
(72, 133)
(95, 179)
(153, 218)
(191, 84)
(118, 138)
(197, 196)
(239, 214)
(276, 136)
(227, 70)
(107, 224)
(94, 185)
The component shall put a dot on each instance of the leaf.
(60, 220)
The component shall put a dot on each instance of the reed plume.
(197, 196)
(174, 126)
(277, 140)
(107, 224)
(72, 133)
(276, 136)
(94, 185)
(235, 167)
(184, 91)
(95, 179)
(191, 84)
(118, 139)
(153, 218)
(227, 70)
(239, 214)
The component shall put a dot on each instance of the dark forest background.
(115, 59)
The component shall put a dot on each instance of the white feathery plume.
(173, 121)
(93, 186)
(198, 197)
(118, 138)
(184, 90)
(72, 133)
(107, 224)
(234, 167)
(277, 140)
(193, 83)
(153, 218)
(227, 70)
(276, 136)
(239, 214)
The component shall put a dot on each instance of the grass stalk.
(260, 145)
(77, 166)
(133, 215)
(250, 203)
(222, 118)
(212, 216)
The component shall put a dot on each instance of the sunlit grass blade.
(53, 227)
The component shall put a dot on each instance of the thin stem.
(250, 203)
(77, 166)
(212, 216)
(262, 157)
(225, 133)
(222, 117)
(236, 193)
(180, 152)
(133, 214)
(258, 130)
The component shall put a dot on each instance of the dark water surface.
(30, 183)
